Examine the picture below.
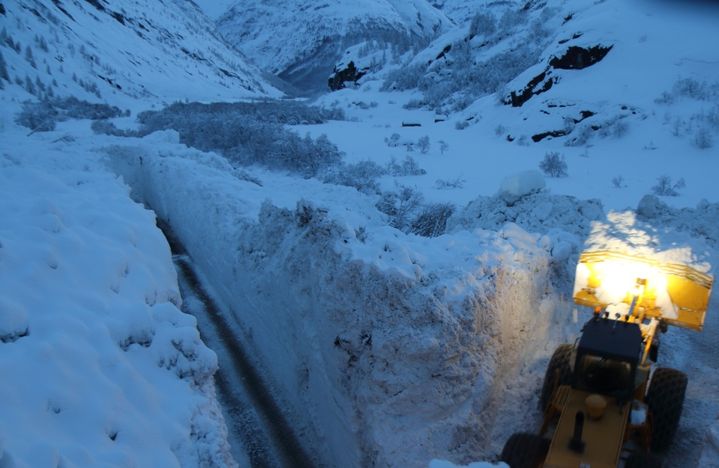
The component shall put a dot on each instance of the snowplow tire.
(643, 460)
(558, 373)
(666, 400)
(524, 450)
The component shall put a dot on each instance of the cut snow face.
(406, 336)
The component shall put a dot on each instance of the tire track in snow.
(254, 416)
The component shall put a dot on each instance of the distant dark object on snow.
(411, 124)
(341, 76)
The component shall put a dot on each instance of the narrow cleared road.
(257, 429)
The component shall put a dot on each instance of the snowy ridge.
(301, 41)
(100, 366)
(122, 51)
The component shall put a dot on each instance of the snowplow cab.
(607, 356)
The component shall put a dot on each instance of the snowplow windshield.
(673, 292)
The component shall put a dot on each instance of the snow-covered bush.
(618, 182)
(3, 69)
(666, 188)
(423, 144)
(691, 88)
(443, 184)
(482, 24)
(443, 146)
(393, 140)
(554, 165)
(400, 206)
(461, 125)
(432, 221)
(703, 139)
(42, 116)
(362, 176)
(408, 167)
(250, 133)
(404, 78)
(105, 127)
(37, 116)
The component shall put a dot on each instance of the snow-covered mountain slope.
(460, 11)
(137, 50)
(578, 70)
(301, 41)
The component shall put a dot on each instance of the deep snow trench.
(257, 429)
(387, 349)
(383, 349)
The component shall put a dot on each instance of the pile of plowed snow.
(99, 366)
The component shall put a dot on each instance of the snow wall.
(99, 365)
(385, 349)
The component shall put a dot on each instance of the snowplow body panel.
(679, 296)
(603, 438)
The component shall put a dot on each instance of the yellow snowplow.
(604, 405)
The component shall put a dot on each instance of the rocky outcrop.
(341, 76)
(577, 58)
(574, 58)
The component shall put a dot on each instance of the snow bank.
(387, 349)
(98, 364)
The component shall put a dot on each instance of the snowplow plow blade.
(675, 293)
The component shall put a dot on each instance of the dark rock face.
(577, 58)
(553, 134)
(339, 77)
(538, 85)
(583, 115)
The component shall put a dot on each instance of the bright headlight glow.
(618, 280)
(610, 280)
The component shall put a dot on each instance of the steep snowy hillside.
(575, 70)
(136, 50)
(301, 41)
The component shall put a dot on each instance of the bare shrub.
(666, 188)
(408, 167)
(443, 184)
(362, 176)
(400, 206)
(703, 139)
(554, 165)
(423, 144)
(432, 221)
(618, 182)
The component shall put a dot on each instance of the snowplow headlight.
(616, 281)
(673, 292)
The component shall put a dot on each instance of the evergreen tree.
(29, 86)
(3, 69)
(29, 57)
